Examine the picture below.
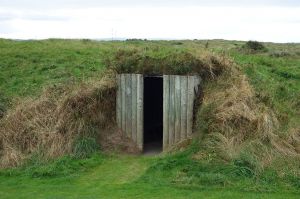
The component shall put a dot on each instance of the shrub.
(86, 40)
(279, 54)
(254, 46)
(206, 44)
(135, 40)
(177, 43)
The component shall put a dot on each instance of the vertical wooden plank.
(184, 93)
(166, 99)
(197, 81)
(190, 105)
(128, 105)
(140, 111)
(172, 110)
(123, 103)
(177, 108)
(134, 106)
(118, 102)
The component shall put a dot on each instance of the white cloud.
(55, 4)
(278, 24)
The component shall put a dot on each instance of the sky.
(262, 20)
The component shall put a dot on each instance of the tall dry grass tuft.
(294, 139)
(50, 124)
(232, 122)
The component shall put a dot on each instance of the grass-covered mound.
(246, 129)
(65, 119)
(230, 122)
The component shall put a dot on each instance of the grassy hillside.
(247, 141)
(27, 66)
(277, 81)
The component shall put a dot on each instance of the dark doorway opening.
(153, 114)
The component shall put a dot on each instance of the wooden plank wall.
(178, 103)
(130, 106)
(166, 101)
(179, 94)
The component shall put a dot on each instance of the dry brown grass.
(114, 140)
(50, 123)
(232, 121)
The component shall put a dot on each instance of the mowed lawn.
(117, 177)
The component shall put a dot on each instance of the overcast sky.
(263, 20)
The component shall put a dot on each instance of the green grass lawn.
(123, 177)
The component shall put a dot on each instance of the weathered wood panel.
(134, 107)
(197, 81)
(166, 99)
(179, 96)
(190, 104)
(171, 109)
(183, 120)
(140, 111)
(118, 102)
(123, 91)
(129, 106)
(177, 104)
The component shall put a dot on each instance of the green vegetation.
(254, 46)
(234, 154)
(28, 66)
(277, 82)
(168, 176)
(166, 60)
(84, 147)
